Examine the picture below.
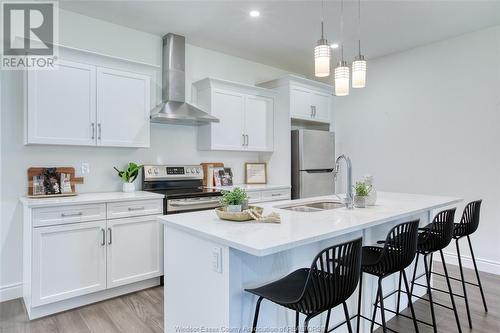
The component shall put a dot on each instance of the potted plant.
(235, 200)
(362, 190)
(128, 176)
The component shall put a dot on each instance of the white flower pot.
(234, 208)
(128, 187)
(359, 201)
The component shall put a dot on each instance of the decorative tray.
(239, 216)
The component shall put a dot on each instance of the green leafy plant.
(130, 174)
(234, 197)
(362, 189)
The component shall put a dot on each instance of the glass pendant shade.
(322, 58)
(359, 72)
(342, 79)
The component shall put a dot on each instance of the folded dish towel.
(271, 218)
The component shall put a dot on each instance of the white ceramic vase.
(128, 187)
(234, 208)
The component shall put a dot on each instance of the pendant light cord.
(359, 27)
(342, 30)
(322, 18)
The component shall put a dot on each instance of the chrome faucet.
(349, 196)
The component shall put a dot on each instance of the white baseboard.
(483, 265)
(11, 291)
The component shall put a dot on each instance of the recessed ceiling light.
(334, 46)
(254, 13)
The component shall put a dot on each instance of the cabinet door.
(135, 247)
(123, 108)
(68, 261)
(321, 104)
(300, 103)
(259, 123)
(64, 97)
(229, 108)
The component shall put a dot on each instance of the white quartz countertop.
(253, 187)
(88, 198)
(299, 228)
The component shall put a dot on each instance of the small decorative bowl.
(237, 216)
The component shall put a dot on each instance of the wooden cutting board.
(205, 171)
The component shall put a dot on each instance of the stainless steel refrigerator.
(313, 163)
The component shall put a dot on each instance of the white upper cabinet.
(86, 102)
(306, 99)
(61, 105)
(245, 113)
(123, 107)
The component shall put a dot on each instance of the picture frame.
(256, 173)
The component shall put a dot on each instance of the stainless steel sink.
(315, 206)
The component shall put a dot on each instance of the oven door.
(184, 205)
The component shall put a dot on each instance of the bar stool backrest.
(440, 233)
(333, 277)
(470, 218)
(400, 247)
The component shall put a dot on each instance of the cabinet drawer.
(254, 197)
(275, 195)
(68, 214)
(117, 210)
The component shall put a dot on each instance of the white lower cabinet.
(69, 260)
(133, 254)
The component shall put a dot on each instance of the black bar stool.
(399, 250)
(434, 237)
(331, 280)
(467, 226)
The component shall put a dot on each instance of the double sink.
(315, 206)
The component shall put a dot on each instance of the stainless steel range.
(182, 186)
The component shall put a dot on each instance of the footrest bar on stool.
(456, 279)
(403, 315)
(379, 324)
(341, 323)
(437, 289)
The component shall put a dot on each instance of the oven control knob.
(149, 171)
(188, 170)
(155, 171)
(197, 170)
(193, 170)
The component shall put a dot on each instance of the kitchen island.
(209, 262)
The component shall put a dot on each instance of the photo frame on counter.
(255, 173)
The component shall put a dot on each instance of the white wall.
(169, 144)
(429, 122)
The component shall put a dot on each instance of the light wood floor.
(143, 312)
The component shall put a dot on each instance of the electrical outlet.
(217, 259)
(85, 168)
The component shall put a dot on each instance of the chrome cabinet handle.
(72, 215)
(131, 209)
(93, 131)
(103, 233)
(110, 239)
(275, 194)
(313, 111)
(246, 135)
(244, 140)
(99, 131)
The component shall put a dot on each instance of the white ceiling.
(286, 31)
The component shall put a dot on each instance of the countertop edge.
(279, 248)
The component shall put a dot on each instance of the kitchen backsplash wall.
(169, 144)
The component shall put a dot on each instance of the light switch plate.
(217, 259)
(85, 168)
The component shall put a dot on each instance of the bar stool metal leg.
(296, 321)
(256, 316)
(407, 286)
(382, 308)
(414, 276)
(450, 292)
(306, 324)
(327, 320)
(429, 291)
(347, 318)
(358, 319)
(477, 275)
(463, 283)
(375, 310)
(399, 294)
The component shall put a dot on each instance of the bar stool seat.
(331, 279)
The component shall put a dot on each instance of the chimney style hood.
(174, 109)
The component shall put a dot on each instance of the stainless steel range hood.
(174, 109)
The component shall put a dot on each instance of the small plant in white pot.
(362, 190)
(128, 176)
(235, 200)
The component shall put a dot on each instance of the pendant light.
(322, 53)
(342, 70)
(359, 63)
